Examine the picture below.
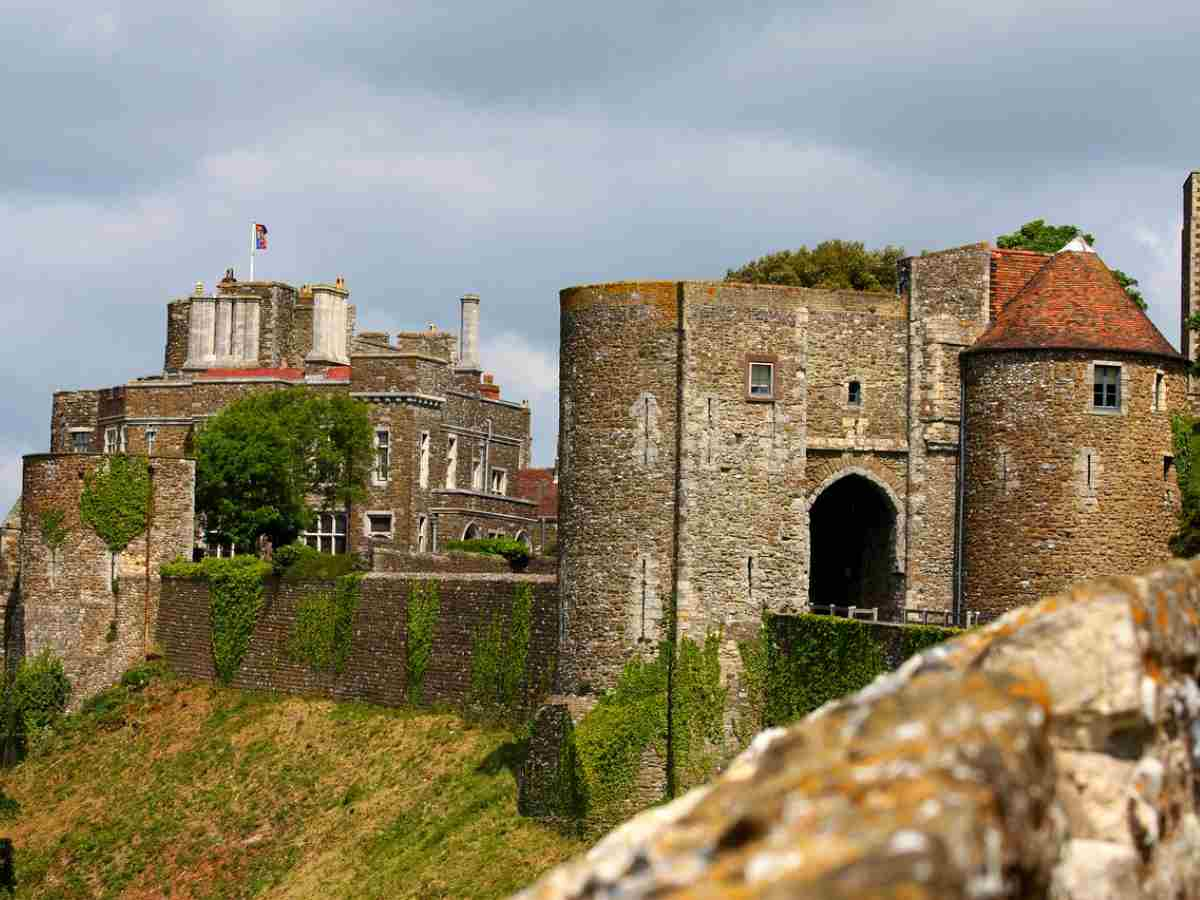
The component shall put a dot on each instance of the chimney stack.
(468, 346)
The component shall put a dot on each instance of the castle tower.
(1069, 396)
(1190, 274)
(329, 324)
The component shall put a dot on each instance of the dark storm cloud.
(427, 149)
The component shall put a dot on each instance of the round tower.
(618, 385)
(1067, 446)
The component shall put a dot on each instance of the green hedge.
(515, 552)
(811, 660)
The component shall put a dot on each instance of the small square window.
(499, 481)
(151, 439)
(762, 380)
(379, 524)
(111, 436)
(81, 441)
(854, 393)
(1106, 387)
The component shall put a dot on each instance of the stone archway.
(856, 542)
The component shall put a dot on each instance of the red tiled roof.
(539, 486)
(1011, 271)
(283, 374)
(1073, 302)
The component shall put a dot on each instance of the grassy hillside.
(186, 790)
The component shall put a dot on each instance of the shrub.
(31, 704)
(515, 552)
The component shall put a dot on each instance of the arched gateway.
(856, 542)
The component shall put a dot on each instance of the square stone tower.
(1190, 275)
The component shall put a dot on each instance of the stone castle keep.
(998, 427)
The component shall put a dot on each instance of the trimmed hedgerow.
(515, 552)
(424, 605)
(323, 631)
(235, 598)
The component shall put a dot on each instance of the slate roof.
(1073, 303)
(539, 486)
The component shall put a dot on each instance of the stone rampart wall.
(1053, 753)
(376, 666)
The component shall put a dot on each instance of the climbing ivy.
(697, 710)
(814, 659)
(54, 533)
(424, 605)
(235, 598)
(323, 631)
(1186, 540)
(750, 719)
(499, 655)
(115, 498)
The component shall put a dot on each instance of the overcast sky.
(424, 150)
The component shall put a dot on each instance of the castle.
(998, 427)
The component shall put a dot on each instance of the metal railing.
(904, 615)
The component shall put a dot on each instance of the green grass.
(172, 788)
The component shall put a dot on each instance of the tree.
(261, 460)
(833, 264)
(1043, 238)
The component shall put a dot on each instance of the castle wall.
(618, 426)
(948, 296)
(68, 597)
(73, 410)
(376, 668)
(178, 329)
(11, 629)
(1190, 268)
(1055, 490)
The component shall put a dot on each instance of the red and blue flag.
(260, 237)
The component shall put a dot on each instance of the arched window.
(471, 533)
(523, 537)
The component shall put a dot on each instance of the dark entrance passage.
(851, 528)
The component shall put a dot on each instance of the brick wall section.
(1032, 524)
(73, 409)
(375, 671)
(67, 597)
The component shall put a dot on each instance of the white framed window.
(111, 437)
(760, 384)
(80, 440)
(378, 524)
(477, 474)
(499, 481)
(151, 440)
(214, 546)
(328, 534)
(422, 533)
(452, 461)
(1106, 387)
(423, 460)
(383, 455)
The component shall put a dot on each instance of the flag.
(260, 237)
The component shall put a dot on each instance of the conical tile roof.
(1074, 303)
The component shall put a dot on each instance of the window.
(214, 546)
(110, 439)
(81, 441)
(762, 380)
(1160, 392)
(523, 537)
(422, 533)
(122, 439)
(383, 454)
(854, 393)
(379, 525)
(328, 534)
(452, 461)
(151, 439)
(424, 460)
(1106, 387)
(499, 481)
(471, 533)
(477, 474)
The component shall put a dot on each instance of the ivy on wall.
(424, 605)
(499, 655)
(115, 499)
(1186, 540)
(697, 710)
(54, 533)
(811, 660)
(235, 598)
(323, 630)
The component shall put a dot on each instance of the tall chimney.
(468, 335)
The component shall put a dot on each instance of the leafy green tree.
(262, 460)
(833, 264)
(1043, 238)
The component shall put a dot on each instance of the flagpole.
(253, 241)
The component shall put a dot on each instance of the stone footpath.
(1052, 753)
